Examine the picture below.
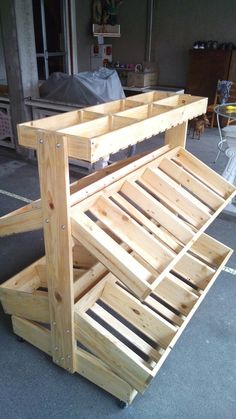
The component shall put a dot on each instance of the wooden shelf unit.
(127, 262)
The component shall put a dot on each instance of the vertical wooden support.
(54, 185)
(176, 136)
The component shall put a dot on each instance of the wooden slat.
(111, 350)
(194, 270)
(23, 304)
(100, 374)
(176, 136)
(168, 314)
(205, 174)
(26, 280)
(89, 279)
(126, 332)
(175, 294)
(24, 219)
(161, 234)
(53, 170)
(175, 197)
(130, 232)
(157, 211)
(34, 333)
(134, 275)
(95, 182)
(199, 189)
(150, 323)
(81, 257)
(210, 250)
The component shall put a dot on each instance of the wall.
(129, 48)
(2, 60)
(178, 23)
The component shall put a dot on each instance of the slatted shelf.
(134, 338)
(158, 211)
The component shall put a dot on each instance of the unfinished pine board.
(34, 333)
(27, 218)
(100, 374)
(53, 169)
(97, 131)
(134, 338)
(181, 204)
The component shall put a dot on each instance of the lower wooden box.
(121, 342)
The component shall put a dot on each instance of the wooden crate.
(158, 211)
(126, 261)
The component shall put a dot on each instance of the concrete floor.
(198, 379)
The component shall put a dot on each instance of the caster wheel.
(123, 405)
(19, 339)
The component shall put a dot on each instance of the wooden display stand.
(126, 261)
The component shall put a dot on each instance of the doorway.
(53, 40)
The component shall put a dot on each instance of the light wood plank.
(89, 279)
(176, 136)
(162, 310)
(126, 332)
(175, 294)
(34, 333)
(33, 306)
(199, 189)
(129, 231)
(210, 250)
(112, 351)
(54, 186)
(24, 219)
(26, 280)
(116, 259)
(194, 270)
(102, 375)
(81, 257)
(158, 211)
(161, 234)
(175, 197)
(205, 174)
(150, 323)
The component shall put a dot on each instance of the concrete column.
(20, 58)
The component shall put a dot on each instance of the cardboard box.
(141, 79)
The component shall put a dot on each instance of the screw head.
(63, 226)
(47, 221)
(67, 331)
(41, 141)
(58, 145)
(56, 348)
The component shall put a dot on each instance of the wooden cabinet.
(206, 67)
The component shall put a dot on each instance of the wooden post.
(54, 185)
(176, 136)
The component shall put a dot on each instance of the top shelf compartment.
(97, 131)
